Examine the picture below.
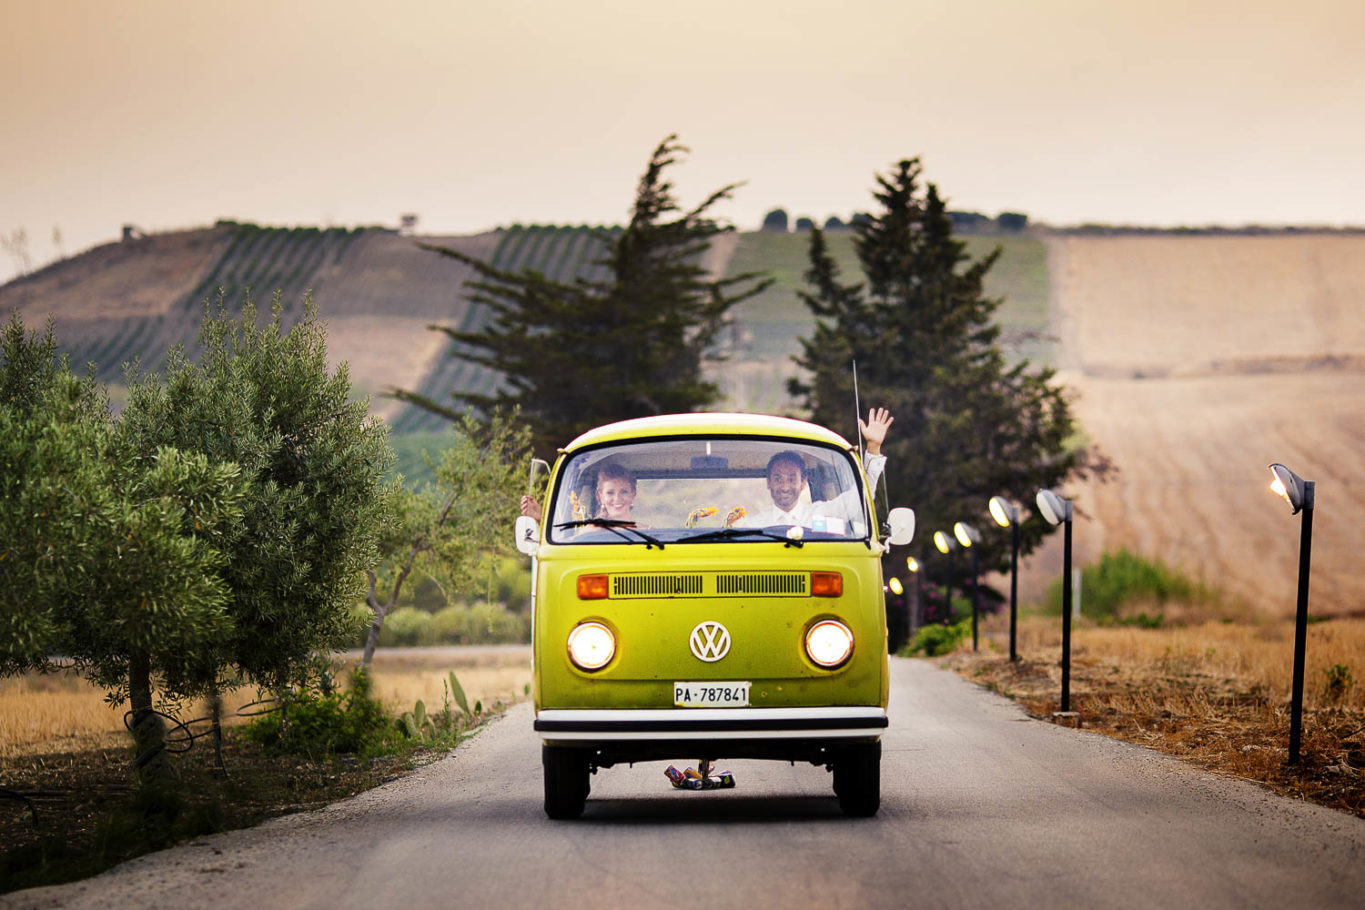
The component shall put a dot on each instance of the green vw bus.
(674, 618)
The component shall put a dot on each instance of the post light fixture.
(1004, 512)
(1292, 488)
(1054, 508)
(1006, 515)
(1299, 494)
(947, 544)
(913, 605)
(1057, 510)
(968, 536)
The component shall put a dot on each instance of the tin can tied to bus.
(699, 778)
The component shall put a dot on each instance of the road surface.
(981, 807)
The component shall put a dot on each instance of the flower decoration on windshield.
(698, 514)
(735, 515)
(577, 506)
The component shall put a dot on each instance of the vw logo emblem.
(710, 641)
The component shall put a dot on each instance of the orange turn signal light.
(592, 587)
(826, 584)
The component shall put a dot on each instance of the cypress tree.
(920, 327)
(573, 355)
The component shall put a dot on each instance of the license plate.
(711, 694)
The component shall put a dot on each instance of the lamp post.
(967, 536)
(912, 608)
(947, 545)
(1299, 494)
(1006, 515)
(1057, 510)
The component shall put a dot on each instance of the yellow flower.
(697, 515)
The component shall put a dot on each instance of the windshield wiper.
(616, 526)
(732, 533)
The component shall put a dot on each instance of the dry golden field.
(1216, 694)
(1196, 362)
(1250, 657)
(61, 712)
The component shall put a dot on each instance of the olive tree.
(262, 396)
(453, 526)
(109, 558)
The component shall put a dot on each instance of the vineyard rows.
(258, 259)
(558, 253)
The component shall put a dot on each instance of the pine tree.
(573, 355)
(920, 327)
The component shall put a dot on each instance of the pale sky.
(171, 114)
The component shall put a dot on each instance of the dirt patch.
(80, 813)
(383, 353)
(141, 277)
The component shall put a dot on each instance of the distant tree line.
(963, 222)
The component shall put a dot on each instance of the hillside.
(1197, 361)
(377, 290)
(767, 327)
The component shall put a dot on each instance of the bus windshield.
(708, 489)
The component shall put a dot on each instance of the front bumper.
(589, 726)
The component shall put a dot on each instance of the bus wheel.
(858, 779)
(566, 781)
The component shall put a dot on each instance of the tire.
(566, 781)
(858, 779)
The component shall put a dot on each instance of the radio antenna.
(857, 413)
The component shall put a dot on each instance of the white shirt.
(832, 515)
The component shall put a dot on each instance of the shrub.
(968, 222)
(937, 639)
(776, 220)
(1126, 588)
(804, 224)
(1339, 682)
(1011, 222)
(479, 624)
(315, 724)
(408, 627)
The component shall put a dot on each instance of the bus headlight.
(591, 645)
(829, 643)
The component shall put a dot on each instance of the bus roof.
(707, 423)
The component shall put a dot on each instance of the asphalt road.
(981, 807)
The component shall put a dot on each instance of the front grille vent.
(765, 583)
(655, 585)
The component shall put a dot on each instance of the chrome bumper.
(592, 725)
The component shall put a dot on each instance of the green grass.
(771, 323)
(1127, 588)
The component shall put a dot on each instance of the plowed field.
(1198, 361)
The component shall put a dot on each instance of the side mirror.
(527, 531)
(901, 521)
